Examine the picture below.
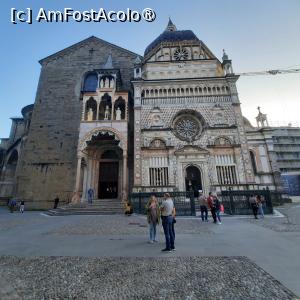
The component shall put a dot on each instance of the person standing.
(217, 206)
(260, 206)
(22, 206)
(12, 204)
(90, 195)
(56, 201)
(253, 203)
(210, 201)
(167, 210)
(153, 215)
(203, 207)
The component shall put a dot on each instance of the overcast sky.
(257, 35)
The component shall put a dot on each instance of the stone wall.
(48, 166)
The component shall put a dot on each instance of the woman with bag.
(153, 217)
(217, 206)
(260, 206)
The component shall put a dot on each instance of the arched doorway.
(108, 187)
(193, 180)
(103, 161)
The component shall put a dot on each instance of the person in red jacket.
(210, 202)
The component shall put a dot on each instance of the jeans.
(254, 209)
(261, 210)
(152, 228)
(167, 226)
(213, 213)
(204, 212)
(173, 230)
(218, 215)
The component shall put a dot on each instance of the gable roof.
(82, 43)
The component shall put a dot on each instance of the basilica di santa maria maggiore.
(109, 119)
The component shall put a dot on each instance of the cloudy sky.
(257, 35)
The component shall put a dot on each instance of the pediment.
(90, 41)
(191, 150)
(165, 53)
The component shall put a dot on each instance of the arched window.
(253, 162)
(105, 108)
(90, 109)
(90, 82)
(120, 109)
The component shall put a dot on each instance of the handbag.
(222, 208)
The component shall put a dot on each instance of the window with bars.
(159, 176)
(226, 175)
(226, 169)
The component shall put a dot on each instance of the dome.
(26, 110)
(171, 34)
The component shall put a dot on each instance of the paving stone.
(122, 225)
(137, 278)
(289, 223)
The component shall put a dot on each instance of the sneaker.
(219, 223)
(150, 242)
(155, 241)
(166, 250)
(173, 249)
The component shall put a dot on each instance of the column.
(89, 174)
(97, 112)
(78, 174)
(83, 110)
(124, 192)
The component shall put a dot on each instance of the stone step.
(56, 212)
(98, 207)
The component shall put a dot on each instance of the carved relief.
(219, 118)
(157, 144)
(156, 118)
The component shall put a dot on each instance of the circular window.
(187, 127)
(181, 54)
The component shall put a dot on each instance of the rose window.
(187, 128)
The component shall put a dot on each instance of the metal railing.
(184, 202)
(237, 202)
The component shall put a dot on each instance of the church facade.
(109, 119)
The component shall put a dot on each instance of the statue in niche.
(118, 114)
(202, 55)
(90, 114)
(106, 82)
(112, 83)
(106, 113)
(102, 83)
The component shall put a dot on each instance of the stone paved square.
(137, 278)
(108, 257)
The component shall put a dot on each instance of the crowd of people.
(166, 214)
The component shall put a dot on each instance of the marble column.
(124, 192)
